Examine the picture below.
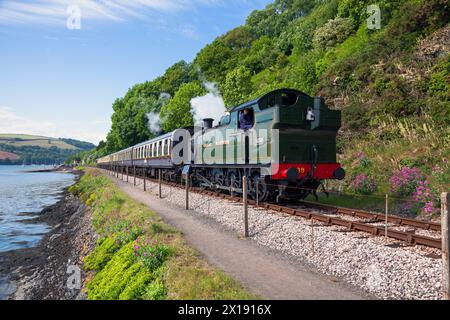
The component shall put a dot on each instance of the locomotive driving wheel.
(235, 182)
(257, 188)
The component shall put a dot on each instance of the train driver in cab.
(246, 119)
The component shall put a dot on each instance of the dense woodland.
(392, 84)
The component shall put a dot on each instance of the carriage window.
(166, 147)
(159, 148)
(288, 98)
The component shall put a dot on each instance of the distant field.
(8, 155)
(8, 136)
(21, 140)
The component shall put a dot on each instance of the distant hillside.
(30, 149)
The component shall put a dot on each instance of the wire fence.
(395, 204)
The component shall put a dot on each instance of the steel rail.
(408, 237)
(358, 213)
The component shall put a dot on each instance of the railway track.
(331, 217)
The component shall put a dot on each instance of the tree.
(238, 38)
(175, 76)
(273, 20)
(177, 112)
(262, 55)
(333, 32)
(214, 61)
(237, 86)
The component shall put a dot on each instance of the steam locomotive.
(288, 152)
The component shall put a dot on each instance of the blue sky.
(60, 80)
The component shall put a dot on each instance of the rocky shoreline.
(53, 269)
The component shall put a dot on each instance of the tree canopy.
(320, 47)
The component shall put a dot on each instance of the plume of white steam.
(153, 118)
(154, 122)
(164, 97)
(210, 105)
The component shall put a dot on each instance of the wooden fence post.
(386, 216)
(134, 175)
(257, 193)
(445, 222)
(145, 187)
(127, 173)
(244, 196)
(159, 184)
(187, 191)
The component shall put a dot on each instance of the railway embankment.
(267, 272)
(381, 267)
(139, 256)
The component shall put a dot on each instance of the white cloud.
(190, 32)
(54, 12)
(92, 131)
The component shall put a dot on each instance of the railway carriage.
(289, 150)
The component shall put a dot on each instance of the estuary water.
(22, 195)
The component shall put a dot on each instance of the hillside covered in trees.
(392, 84)
(29, 149)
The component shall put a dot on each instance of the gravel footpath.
(383, 267)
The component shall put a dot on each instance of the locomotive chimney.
(207, 123)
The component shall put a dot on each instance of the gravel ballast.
(382, 267)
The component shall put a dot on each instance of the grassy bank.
(138, 256)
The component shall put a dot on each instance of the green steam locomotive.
(283, 142)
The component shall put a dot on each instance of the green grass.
(43, 143)
(9, 136)
(138, 256)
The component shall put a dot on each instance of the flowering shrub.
(363, 184)
(405, 182)
(424, 197)
(438, 173)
